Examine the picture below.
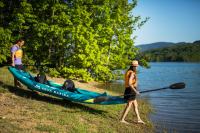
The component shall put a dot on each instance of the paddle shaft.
(173, 86)
(180, 85)
(149, 91)
(155, 89)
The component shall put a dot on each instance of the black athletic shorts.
(129, 94)
(20, 67)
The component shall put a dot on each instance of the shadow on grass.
(50, 99)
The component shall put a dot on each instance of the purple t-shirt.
(18, 54)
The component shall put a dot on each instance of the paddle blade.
(180, 85)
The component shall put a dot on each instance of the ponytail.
(132, 68)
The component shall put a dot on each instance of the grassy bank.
(24, 111)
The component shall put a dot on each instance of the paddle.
(180, 85)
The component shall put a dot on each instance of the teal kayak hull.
(52, 88)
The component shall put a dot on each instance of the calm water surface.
(175, 110)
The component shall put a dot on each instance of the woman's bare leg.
(125, 112)
(17, 83)
(135, 107)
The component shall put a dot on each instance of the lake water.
(174, 110)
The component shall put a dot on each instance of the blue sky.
(170, 21)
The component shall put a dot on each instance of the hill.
(145, 47)
(183, 52)
(156, 45)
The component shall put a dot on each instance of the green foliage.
(74, 73)
(53, 72)
(89, 38)
(5, 37)
(185, 52)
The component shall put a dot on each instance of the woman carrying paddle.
(130, 92)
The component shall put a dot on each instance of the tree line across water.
(185, 52)
(84, 39)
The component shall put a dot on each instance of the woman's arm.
(13, 58)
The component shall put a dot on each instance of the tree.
(85, 39)
(5, 37)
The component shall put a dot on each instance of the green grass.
(7, 127)
(46, 128)
(24, 111)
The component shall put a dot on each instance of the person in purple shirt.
(16, 55)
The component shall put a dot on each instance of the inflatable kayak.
(54, 89)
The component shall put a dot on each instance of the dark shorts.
(129, 94)
(20, 67)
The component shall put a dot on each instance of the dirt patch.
(91, 86)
